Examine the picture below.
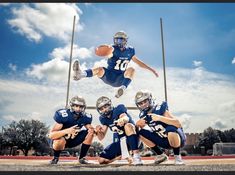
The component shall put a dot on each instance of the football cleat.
(137, 160)
(178, 160)
(120, 91)
(83, 161)
(54, 161)
(160, 158)
(77, 71)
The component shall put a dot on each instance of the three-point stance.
(116, 74)
(166, 130)
(120, 122)
(68, 129)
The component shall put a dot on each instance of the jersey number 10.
(121, 65)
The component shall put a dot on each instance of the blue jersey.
(120, 59)
(66, 117)
(111, 122)
(158, 127)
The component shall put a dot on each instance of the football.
(104, 50)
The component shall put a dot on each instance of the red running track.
(95, 158)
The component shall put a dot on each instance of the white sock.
(83, 74)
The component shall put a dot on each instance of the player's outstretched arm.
(56, 131)
(90, 128)
(101, 131)
(143, 65)
(165, 119)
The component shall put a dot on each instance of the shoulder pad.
(88, 115)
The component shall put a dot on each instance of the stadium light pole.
(163, 60)
(70, 63)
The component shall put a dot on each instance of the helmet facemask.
(120, 39)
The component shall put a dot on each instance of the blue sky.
(199, 49)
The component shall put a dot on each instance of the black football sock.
(84, 150)
(157, 150)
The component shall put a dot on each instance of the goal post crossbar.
(128, 107)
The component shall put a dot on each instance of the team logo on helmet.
(120, 39)
(142, 96)
(102, 102)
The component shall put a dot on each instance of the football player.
(120, 122)
(166, 130)
(116, 74)
(72, 127)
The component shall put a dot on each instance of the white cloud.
(53, 70)
(197, 63)
(49, 19)
(233, 61)
(10, 118)
(185, 120)
(219, 124)
(13, 67)
(56, 69)
(78, 52)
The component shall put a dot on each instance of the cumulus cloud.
(78, 52)
(233, 61)
(50, 19)
(197, 63)
(56, 69)
(53, 70)
(185, 120)
(13, 67)
(219, 124)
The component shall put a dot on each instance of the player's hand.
(91, 130)
(154, 117)
(121, 122)
(72, 130)
(98, 129)
(155, 73)
(140, 123)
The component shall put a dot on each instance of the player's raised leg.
(128, 75)
(79, 74)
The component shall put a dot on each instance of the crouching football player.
(119, 121)
(166, 130)
(72, 127)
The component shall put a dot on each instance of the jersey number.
(121, 65)
(115, 129)
(160, 130)
(63, 113)
(71, 136)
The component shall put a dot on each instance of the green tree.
(208, 138)
(25, 134)
(98, 147)
(230, 135)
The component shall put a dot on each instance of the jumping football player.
(166, 130)
(116, 74)
(120, 122)
(72, 127)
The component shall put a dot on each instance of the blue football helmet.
(104, 102)
(120, 39)
(77, 101)
(144, 101)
